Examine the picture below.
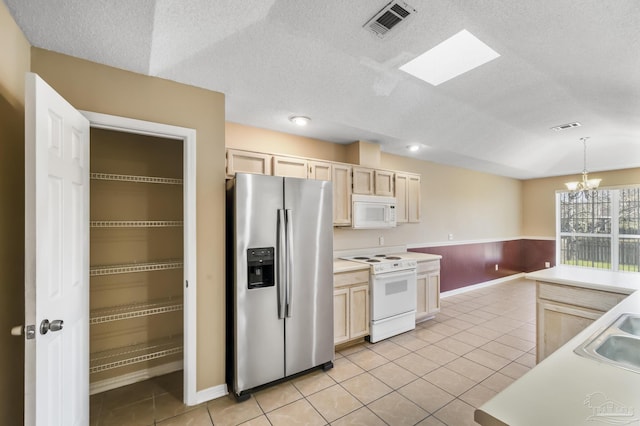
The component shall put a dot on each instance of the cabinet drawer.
(349, 278)
(428, 266)
(594, 299)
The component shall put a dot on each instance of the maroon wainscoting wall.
(467, 264)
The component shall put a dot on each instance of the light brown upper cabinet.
(363, 181)
(402, 210)
(341, 174)
(347, 179)
(247, 162)
(383, 183)
(290, 167)
(319, 170)
(413, 196)
(407, 197)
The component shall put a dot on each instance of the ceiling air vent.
(390, 16)
(566, 126)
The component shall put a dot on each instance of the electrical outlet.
(496, 266)
(450, 237)
(381, 240)
(547, 264)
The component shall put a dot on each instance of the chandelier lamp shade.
(586, 184)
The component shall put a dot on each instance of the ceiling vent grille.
(388, 17)
(566, 126)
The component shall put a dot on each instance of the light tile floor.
(437, 374)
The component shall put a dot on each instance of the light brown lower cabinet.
(350, 306)
(563, 311)
(428, 290)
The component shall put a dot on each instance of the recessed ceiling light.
(454, 56)
(299, 120)
(413, 148)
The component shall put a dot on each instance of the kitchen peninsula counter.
(619, 282)
(568, 389)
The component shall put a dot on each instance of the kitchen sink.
(618, 344)
(631, 325)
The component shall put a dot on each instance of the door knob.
(55, 325)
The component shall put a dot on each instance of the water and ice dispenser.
(260, 267)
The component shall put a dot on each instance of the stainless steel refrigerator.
(279, 279)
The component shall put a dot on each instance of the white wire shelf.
(120, 357)
(135, 223)
(135, 310)
(133, 178)
(128, 268)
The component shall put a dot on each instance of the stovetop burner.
(382, 263)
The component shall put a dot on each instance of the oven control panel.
(399, 265)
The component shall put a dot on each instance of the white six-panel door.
(56, 258)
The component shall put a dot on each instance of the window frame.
(613, 236)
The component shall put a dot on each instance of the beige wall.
(250, 138)
(470, 205)
(538, 216)
(14, 62)
(93, 87)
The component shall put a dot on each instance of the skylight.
(451, 58)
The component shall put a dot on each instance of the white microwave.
(371, 212)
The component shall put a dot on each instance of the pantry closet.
(137, 257)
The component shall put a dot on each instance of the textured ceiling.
(561, 61)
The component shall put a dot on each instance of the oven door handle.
(395, 274)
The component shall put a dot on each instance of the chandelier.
(586, 184)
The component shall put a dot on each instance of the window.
(599, 229)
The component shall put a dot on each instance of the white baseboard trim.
(461, 290)
(211, 393)
(137, 376)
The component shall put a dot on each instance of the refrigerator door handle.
(289, 233)
(282, 272)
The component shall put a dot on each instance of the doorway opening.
(142, 253)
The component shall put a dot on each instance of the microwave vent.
(388, 17)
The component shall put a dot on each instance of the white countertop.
(621, 282)
(565, 388)
(420, 257)
(341, 265)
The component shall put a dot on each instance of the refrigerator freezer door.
(309, 329)
(259, 333)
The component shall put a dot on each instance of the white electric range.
(392, 283)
